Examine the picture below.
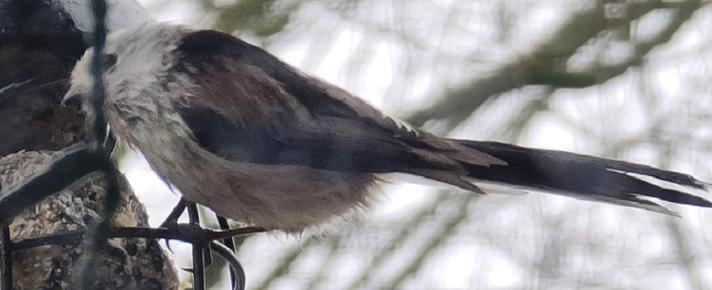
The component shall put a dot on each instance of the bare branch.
(546, 65)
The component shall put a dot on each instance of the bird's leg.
(225, 225)
(207, 241)
(171, 220)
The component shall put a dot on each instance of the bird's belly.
(286, 197)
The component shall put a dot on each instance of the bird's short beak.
(72, 99)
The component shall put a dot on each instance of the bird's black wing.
(247, 105)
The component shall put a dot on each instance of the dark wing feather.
(248, 105)
(336, 145)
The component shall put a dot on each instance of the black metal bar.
(72, 238)
(6, 248)
(95, 123)
(96, 136)
(191, 233)
(198, 251)
(177, 233)
(194, 218)
(198, 267)
(75, 161)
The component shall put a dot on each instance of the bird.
(234, 128)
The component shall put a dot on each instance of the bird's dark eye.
(109, 60)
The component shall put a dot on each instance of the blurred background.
(623, 79)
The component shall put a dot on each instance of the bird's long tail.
(583, 177)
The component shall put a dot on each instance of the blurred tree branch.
(279, 270)
(444, 230)
(261, 17)
(546, 65)
(405, 232)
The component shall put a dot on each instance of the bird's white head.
(81, 79)
(133, 56)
